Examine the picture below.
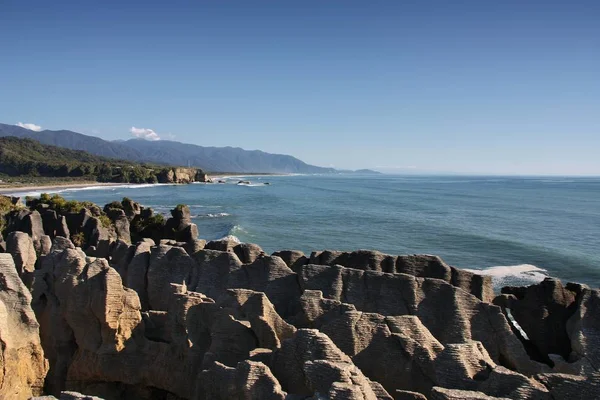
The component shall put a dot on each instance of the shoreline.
(11, 189)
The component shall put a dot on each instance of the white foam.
(52, 190)
(237, 229)
(231, 238)
(515, 275)
(251, 184)
(216, 215)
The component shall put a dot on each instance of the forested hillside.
(27, 157)
(213, 159)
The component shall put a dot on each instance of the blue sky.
(503, 87)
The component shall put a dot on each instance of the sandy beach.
(8, 189)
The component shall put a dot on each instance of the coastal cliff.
(119, 303)
(182, 175)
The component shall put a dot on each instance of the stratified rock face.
(182, 175)
(22, 362)
(310, 363)
(542, 311)
(250, 380)
(562, 323)
(419, 265)
(20, 246)
(180, 226)
(432, 300)
(179, 318)
(293, 258)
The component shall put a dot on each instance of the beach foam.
(216, 215)
(232, 238)
(58, 189)
(513, 275)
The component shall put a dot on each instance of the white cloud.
(144, 133)
(31, 127)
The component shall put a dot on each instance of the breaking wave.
(232, 238)
(215, 215)
(513, 275)
(52, 190)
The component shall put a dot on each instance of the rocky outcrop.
(249, 380)
(180, 226)
(182, 175)
(293, 258)
(23, 366)
(310, 363)
(432, 300)
(20, 246)
(560, 323)
(419, 265)
(179, 318)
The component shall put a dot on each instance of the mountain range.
(212, 159)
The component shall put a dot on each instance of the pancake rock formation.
(129, 307)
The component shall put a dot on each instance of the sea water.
(519, 230)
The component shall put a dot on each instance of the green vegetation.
(153, 223)
(58, 203)
(106, 222)
(78, 239)
(6, 206)
(31, 159)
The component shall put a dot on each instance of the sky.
(475, 87)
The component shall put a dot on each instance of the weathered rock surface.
(22, 362)
(310, 363)
(180, 226)
(182, 175)
(293, 258)
(432, 300)
(177, 318)
(419, 265)
(250, 380)
(20, 246)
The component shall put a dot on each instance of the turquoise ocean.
(517, 229)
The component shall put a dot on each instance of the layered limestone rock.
(96, 334)
(310, 363)
(177, 318)
(20, 246)
(182, 175)
(22, 362)
(562, 323)
(180, 226)
(419, 265)
(432, 300)
(409, 357)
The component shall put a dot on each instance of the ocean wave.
(232, 238)
(53, 190)
(215, 215)
(251, 184)
(513, 275)
(237, 229)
